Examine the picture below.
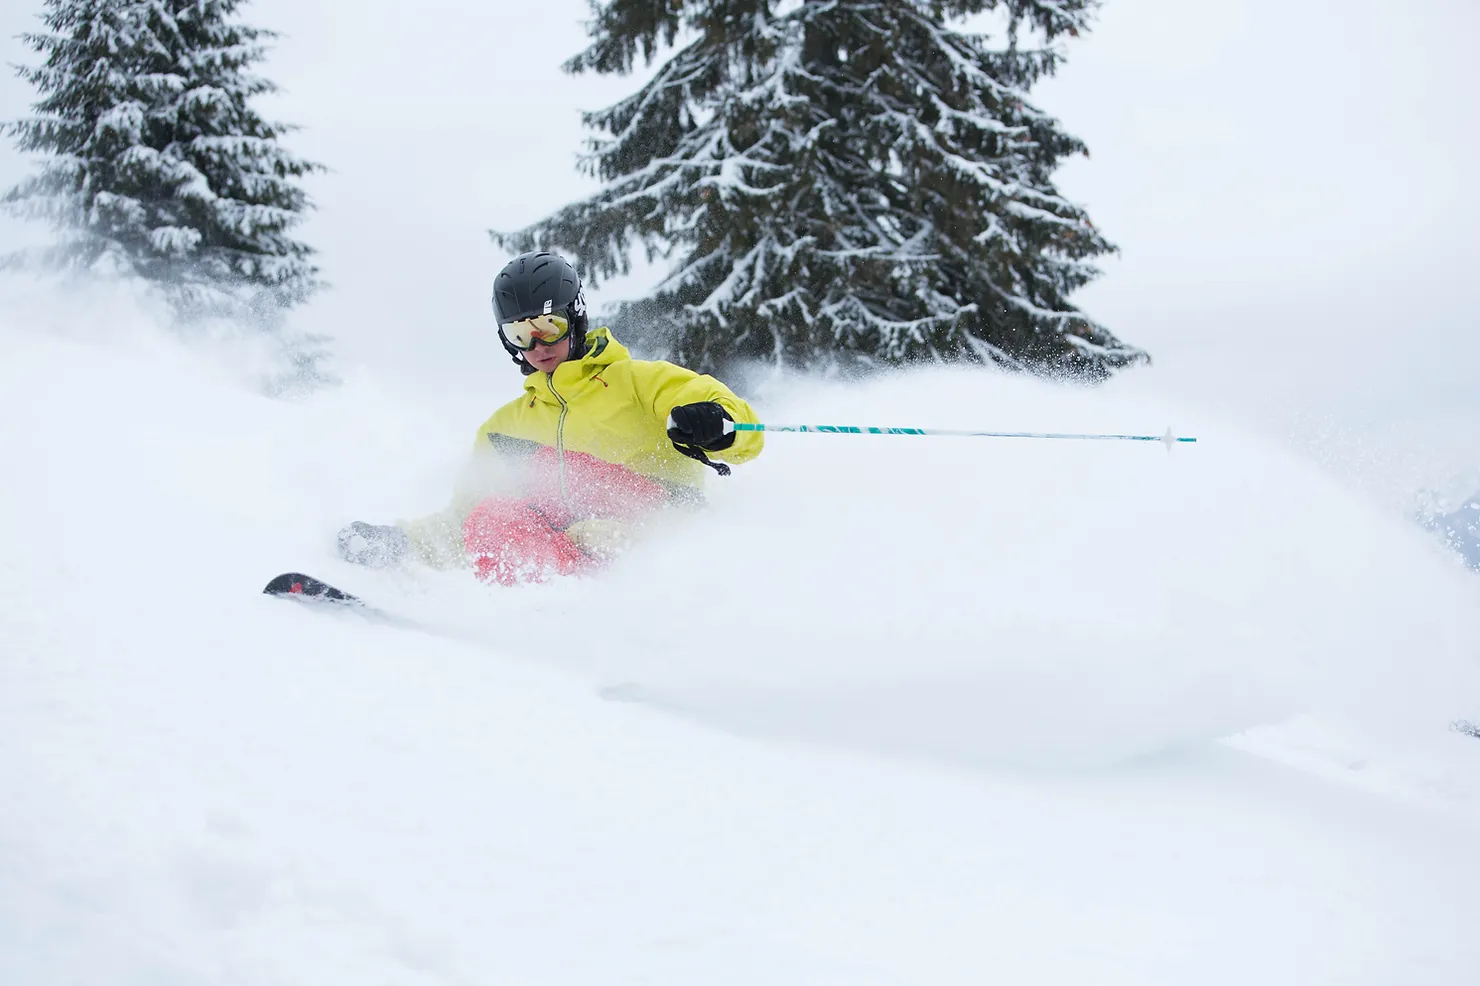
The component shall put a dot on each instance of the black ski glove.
(700, 425)
(371, 545)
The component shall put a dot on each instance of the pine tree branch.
(840, 182)
(156, 163)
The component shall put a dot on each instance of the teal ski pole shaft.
(1168, 439)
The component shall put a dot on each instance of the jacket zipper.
(560, 439)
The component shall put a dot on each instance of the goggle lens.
(548, 329)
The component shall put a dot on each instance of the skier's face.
(545, 357)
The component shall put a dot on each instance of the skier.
(562, 475)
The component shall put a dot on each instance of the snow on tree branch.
(155, 163)
(838, 182)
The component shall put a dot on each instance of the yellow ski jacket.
(616, 408)
(605, 404)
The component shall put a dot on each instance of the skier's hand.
(701, 425)
(371, 545)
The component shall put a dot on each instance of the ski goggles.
(548, 329)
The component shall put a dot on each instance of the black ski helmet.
(539, 283)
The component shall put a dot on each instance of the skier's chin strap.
(697, 454)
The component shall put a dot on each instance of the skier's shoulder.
(659, 371)
(614, 362)
(652, 369)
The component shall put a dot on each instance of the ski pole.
(1168, 439)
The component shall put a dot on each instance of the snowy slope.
(892, 711)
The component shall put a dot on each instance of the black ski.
(1466, 727)
(307, 587)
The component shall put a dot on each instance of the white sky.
(1291, 177)
(1290, 184)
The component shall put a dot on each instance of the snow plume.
(982, 600)
(124, 317)
(1029, 602)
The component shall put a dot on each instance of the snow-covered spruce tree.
(158, 167)
(839, 181)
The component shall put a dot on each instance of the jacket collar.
(602, 350)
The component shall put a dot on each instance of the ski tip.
(306, 587)
(289, 584)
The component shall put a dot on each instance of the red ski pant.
(523, 539)
(509, 541)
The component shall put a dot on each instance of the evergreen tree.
(840, 181)
(158, 166)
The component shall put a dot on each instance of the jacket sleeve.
(663, 386)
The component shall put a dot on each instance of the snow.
(892, 710)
